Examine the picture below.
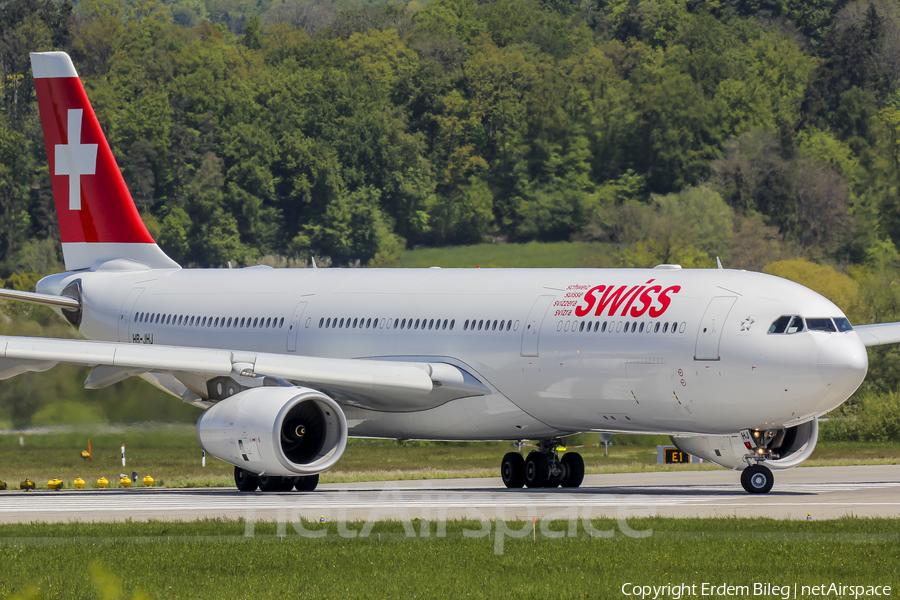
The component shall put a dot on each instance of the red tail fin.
(98, 220)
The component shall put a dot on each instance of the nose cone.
(843, 363)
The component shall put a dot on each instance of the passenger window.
(656, 329)
(281, 323)
(508, 324)
(796, 325)
(452, 323)
(216, 324)
(641, 329)
(480, 323)
(369, 323)
(820, 325)
(842, 324)
(321, 322)
(603, 327)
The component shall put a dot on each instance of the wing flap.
(347, 373)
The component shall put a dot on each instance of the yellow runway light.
(2, 485)
(78, 483)
(27, 485)
(102, 482)
(125, 481)
(148, 481)
(55, 484)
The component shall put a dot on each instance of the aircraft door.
(531, 331)
(294, 329)
(127, 313)
(710, 331)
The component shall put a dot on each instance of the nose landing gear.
(757, 478)
(543, 468)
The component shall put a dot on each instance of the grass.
(530, 255)
(214, 559)
(171, 455)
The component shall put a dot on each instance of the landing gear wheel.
(307, 483)
(245, 480)
(537, 470)
(553, 481)
(288, 483)
(512, 470)
(574, 470)
(757, 479)
(270, 483)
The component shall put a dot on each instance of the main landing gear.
(248, 482)
(757, 478)
(543, 468)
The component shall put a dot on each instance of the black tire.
(288, 483)
(757, 479)
(574, 470)
(537, 470)
(307, 484)
(245, 480)
(512, 470)
(270, 483)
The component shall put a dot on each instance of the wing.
(878, 334)
(372, 383)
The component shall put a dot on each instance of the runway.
(825, 492)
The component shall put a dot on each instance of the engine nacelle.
(282, 431)
(793, 446)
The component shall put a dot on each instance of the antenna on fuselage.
(719, 263)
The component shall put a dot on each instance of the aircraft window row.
(199, 321)
(795, 324)
(376, 323)
(621, 326)
(488, 325)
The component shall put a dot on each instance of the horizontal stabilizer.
(45, 299)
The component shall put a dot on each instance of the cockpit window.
(820, 325)
(779, 325)
(796, 325)
(842, 324)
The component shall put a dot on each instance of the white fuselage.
(704, 364)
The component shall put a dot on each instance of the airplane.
(286, 364)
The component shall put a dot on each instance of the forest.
(762, 132)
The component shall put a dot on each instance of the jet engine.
(279, 431)
(792, 446)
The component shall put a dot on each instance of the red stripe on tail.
(92, 202)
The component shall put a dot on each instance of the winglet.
(98, 220)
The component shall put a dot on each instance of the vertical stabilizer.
(98, 220)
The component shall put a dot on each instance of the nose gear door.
(711, 327)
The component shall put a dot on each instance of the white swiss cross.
(75, 159)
